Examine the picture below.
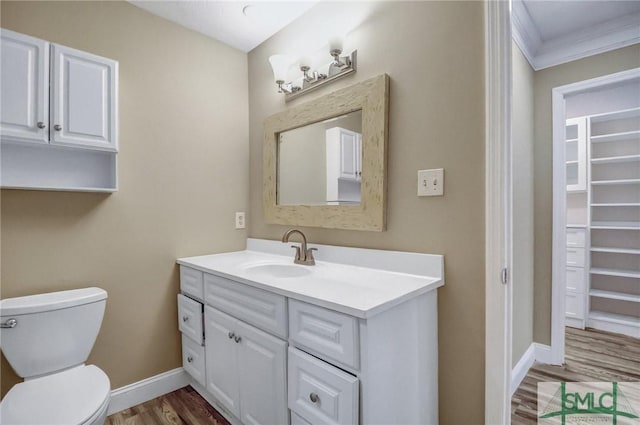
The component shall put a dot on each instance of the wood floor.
(181, 407)
(590, 355)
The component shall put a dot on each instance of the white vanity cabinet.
(310, 348)
(58, 121)
(344, 153)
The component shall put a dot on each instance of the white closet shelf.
(616, 137)
(614, 182)
(571, 140)
(618, 204)
(616, 272)
(572, 162)
(612, 322)
(615, 225)
(615, 250)
(615, 159)
(617, 115)
(621, 296)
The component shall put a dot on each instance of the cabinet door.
(84, 100)
(348, 154)
(24, 85)
(576, 154)
(359, 155)
(263, 378)
(221, 359)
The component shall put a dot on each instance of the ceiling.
(229, 21)
(551, 32)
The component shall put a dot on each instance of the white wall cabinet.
(576, 154)
(83, 99)
(59, 120)
(344, 165)
(24, 79)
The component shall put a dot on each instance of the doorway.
(596, 208)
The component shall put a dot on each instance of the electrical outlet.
(240, 223)
(431, 182)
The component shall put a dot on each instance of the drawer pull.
(314, 397)
(238, 339)
(185, 318)
(231, 335)
(189, 359)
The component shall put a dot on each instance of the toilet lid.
(69, 397)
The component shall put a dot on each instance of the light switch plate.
(431, 182)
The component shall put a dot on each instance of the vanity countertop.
(355, 281)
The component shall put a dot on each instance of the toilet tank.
(52, 331)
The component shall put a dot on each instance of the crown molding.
(604, 37)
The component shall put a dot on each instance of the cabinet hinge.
(505, 276)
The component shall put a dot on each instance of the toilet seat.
(74, 397)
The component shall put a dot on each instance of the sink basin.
(279, 270)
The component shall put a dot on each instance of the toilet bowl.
(47, 338)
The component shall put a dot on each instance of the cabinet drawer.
(574, 305)
(575, 279)
(263, 309)
(576, 238)
(191, 282)
(328, 333)
(193, 359)
(575, 257)
(298, 420)
(190, 318)
(321, 393)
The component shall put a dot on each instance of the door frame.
(559, 238)
(498, 212)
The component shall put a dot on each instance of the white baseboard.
(543, 353)
(535, 353)
(147, 389)
(521, 368)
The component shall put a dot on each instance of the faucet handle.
(298, 257)
(309, 256)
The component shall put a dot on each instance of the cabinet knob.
(238, 339)
(189, 359)
(314, 397)
(41, 124)
(57, 127)
(185, 318)
(231, 335)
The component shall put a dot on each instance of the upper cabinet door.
(24, 88)
(84, 93)
(349, 154)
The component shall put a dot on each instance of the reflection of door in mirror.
(320, 163)
(344, 166)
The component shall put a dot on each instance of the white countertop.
(348, 288)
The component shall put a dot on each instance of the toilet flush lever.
(11, 323)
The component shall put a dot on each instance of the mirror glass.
(321, 163)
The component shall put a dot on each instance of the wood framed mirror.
(325, 161)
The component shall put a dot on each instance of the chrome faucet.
(303, 255)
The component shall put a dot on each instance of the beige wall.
(522, 154)
(545, 81)
(183, 172)
(435, 61)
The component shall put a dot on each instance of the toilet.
(47, 338)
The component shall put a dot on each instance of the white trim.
(536, 353)
(147, 389)
(556, 355)
(497, 212)
(542, 353)
(596, 39)
(522, 367)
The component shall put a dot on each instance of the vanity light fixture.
(340, 66)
